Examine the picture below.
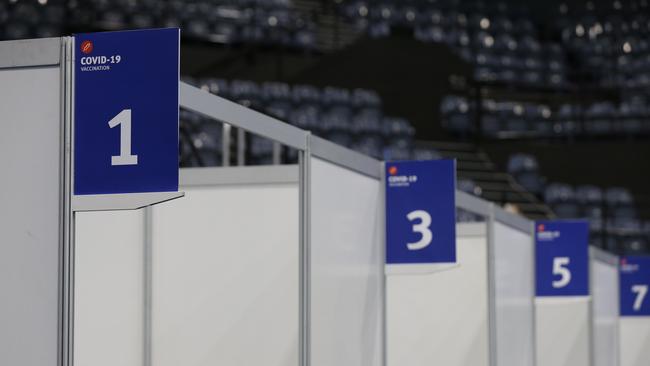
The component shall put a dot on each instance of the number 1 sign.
(126, 112)
(562, 258)
(420, 212)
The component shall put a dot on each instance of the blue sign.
(562, 258)
(126, 112)
(634, 284)
(421, 212)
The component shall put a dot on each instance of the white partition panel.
(30, 208)
(514, 295)
(562, 331)
(346, 267)
(604, 290)
(109, 288)
(634, 340)
(225, 275)
(441, 318)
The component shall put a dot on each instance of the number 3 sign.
(420, 212)
(562, 258)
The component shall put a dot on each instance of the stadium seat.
(525, 171)
(561, 198)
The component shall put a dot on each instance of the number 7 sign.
(634, 285)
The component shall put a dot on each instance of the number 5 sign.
(562, 258)
(420, 212)
(126, 112)
(634, 286)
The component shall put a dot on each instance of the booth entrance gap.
(480, 312)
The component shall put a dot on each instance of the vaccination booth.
(274, 265)
(288, 258)
(479, 312)
(605, 307)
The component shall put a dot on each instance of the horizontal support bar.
(471, 229)
(472, 204)
(344, 157)
(603, 256)
(418, 268)
(30, 53)
(515, 221)
(223, 110)
(126, 201)
(263, 174)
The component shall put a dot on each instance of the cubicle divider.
(605, 307)
(634, 338)
(346, 257)
(225, 269)
(110, 288)
(479, 312)
(31, 80)
(195, 281)
(512, 276)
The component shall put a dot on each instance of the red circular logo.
(541, 227)
(392, 170)
(86, 47)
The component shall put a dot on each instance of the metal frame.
(384, 284)
(514, 221)
(67, 263)
(263, 174)
(491, 278)
(304, 330)
(344, 157)
(473, 204)
(32, 52)
(603, 256)
(223, 110)
(102, 202)
(147, 286)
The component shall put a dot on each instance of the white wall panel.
(346, 267)
(513, 272)
(109, 297)
(562, 331)
(29, 211)
(225, 277)
(604, 286)
(442, 318)
(634, 340)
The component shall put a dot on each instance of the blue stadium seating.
(352, 118)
